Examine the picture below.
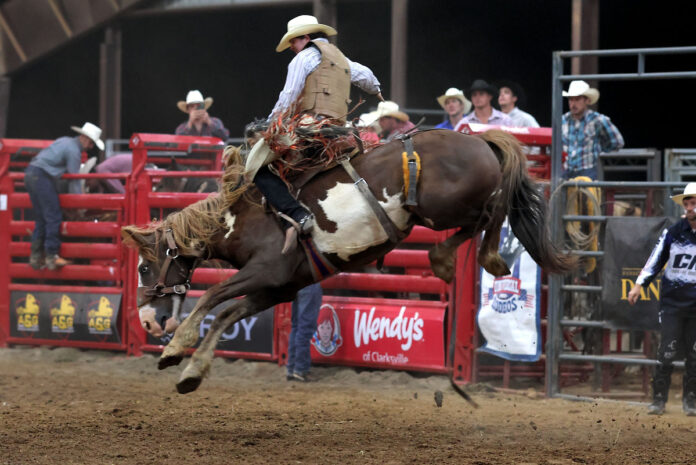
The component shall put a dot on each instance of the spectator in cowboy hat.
(455, 104)
(40, 178)
(586, 133)
(392, 121)
(200, 123)
(510, 98)
(482, 94)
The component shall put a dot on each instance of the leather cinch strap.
(387, 224)
(413, 162)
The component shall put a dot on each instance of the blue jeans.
(574, 173)
(47, 214)
(305, 311)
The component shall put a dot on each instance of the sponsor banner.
(384, 335)
(65, 316)
(628, 243)
(509, 312)
(253, 334)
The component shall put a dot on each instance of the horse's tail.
(524, 204)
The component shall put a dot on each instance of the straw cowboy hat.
(453, 92)
(368, 119)
(578, 88)
(194, 96)
(391, 109)
(91, 131)
(689, 191)
(301, 25)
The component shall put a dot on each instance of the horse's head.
(163, 278)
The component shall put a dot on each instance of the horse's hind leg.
(488, 256)
(442, 255)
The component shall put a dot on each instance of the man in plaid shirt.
(586, 133)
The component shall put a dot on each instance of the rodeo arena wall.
(401, 318)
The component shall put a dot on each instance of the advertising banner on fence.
(253, 334)
(66, 316)
(409, 335)
(628, 243)
(509, 313)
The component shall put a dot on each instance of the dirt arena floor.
(66, 406)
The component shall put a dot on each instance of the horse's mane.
(196, 224)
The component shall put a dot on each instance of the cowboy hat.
(689, 191)
(368, 119)
(453, 92)
(301, 25)
(480, 84)
(516, 89)
(578, 88)
(390, 109)
(91, 131)
(194, 96)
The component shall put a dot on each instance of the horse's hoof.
(187, 385)
(169, 361)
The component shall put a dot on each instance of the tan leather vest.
(327, 88)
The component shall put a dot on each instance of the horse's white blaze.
(357, 226)
(229, 221)
(147, 307)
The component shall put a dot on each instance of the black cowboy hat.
(516, 89)
(480, 84)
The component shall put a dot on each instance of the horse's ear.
(135, 237)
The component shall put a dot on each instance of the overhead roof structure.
(29, 29)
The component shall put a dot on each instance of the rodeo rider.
(320, 77)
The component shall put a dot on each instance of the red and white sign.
(399, 334)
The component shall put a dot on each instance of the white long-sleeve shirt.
(307, 61)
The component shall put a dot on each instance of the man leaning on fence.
(586, 133)
(41, 177)
(676, 249)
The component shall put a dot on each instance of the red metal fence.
(404, 318)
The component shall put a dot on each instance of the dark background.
(230, 55)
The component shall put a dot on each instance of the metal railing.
(555, 304)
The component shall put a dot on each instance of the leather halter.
(161, 289)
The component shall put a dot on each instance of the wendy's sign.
(396, 334)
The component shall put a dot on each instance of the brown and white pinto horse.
(467, 182)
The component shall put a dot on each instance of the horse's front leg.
(198, 367)
(187, 333)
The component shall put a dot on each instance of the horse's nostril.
(147, 325)
(163, 321)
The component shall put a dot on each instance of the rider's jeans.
(305, 311)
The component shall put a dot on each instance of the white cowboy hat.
(578, 88)
(390, 108)
(453, 92)
(194, 96)
(91, 131)
(301, 25)
(367, 119)
(689, 191)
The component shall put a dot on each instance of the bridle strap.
(160, 289)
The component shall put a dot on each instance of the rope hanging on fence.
(584, 201)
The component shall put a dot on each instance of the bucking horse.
(467, 183)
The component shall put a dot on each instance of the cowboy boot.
(53, 262)
(302, 228)
(660, 392)
(36, 259)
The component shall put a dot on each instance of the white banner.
(509, 313)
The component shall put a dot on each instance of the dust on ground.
(68, 406)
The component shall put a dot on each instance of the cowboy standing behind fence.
(586, 133)
(200, 123)
(317, 84)
(40, 178)
(675, 248)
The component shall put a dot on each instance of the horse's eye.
(144, 269)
